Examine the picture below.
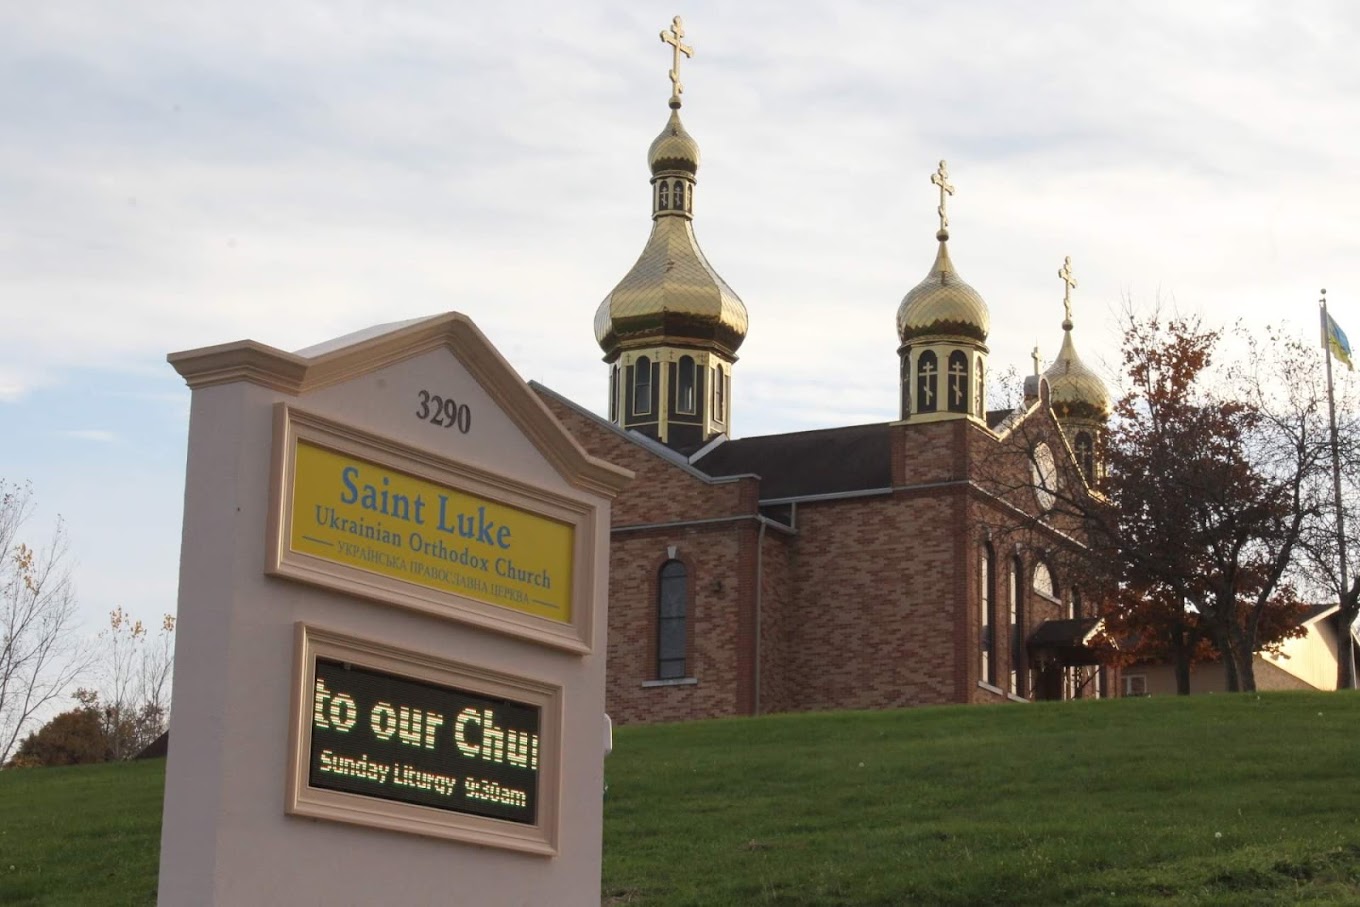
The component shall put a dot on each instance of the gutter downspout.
(760, 586)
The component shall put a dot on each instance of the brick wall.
(871, 603)
(872, 621)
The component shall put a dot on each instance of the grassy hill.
(1211, 800)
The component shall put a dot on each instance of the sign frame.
(302, 799)
(293, 425)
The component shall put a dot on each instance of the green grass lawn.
(85, 835)
(1210, 800)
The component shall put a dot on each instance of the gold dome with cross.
(1075, 390)
(943, 304)
(671, 328)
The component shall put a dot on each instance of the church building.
(907, 562)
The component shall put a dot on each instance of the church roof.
(996, 416)
(798, 464)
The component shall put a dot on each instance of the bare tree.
(134, 674)
(41, 654)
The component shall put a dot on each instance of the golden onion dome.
(943, 304)
(671, 294)
(1074, 389)
(673, 149)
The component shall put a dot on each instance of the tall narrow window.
(1076, 603)
(1017, 615)
(927, 372)
(642, 386)
(979, 407)
(986, 633)
(1086, 455)
(905, 379)
(672, 594)
(958, 382)
(679, 191)
(684, 392)
(719, 396)
(613, 393)
(663, 195)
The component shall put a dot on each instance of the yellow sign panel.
(353, 512)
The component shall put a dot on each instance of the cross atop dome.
(1069, 284)
(941, 178)
(678, 47)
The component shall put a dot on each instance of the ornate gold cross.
(957, 372)
(678, 47)
(1035, 356)
(941, 178)
(1069, 284)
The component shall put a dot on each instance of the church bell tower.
(942, 324)
(671, 328)
(1078, 396)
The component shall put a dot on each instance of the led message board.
(389, 737)
(411, 742)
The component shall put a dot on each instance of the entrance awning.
(1068, 642)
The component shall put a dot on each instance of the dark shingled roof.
(996, 416)
(1060, 633)
(824, 461)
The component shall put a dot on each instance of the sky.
(176, 175)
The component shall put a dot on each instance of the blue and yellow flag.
(1335, 338)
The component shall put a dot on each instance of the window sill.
(1014, 698)
(675, 682)
(984, 685)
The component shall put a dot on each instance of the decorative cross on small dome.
(1069, 284)
(941, 178)
(678, 47)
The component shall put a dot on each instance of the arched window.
(927, 373)
(684, 392)
(958, 382)
(679, 194)
(1043, 580)
(1017, 616)
(986, 633)
(672, 596)
(642, 386)
(1086, 455)
(663, 195)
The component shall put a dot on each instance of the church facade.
(901, 563)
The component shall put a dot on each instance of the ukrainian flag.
(1336, 341)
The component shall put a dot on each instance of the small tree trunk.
(1182, 675)
(1246, 672)
(1224, 645)
(1243, 659)
(1345, 648)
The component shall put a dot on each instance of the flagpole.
(1345, 632)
